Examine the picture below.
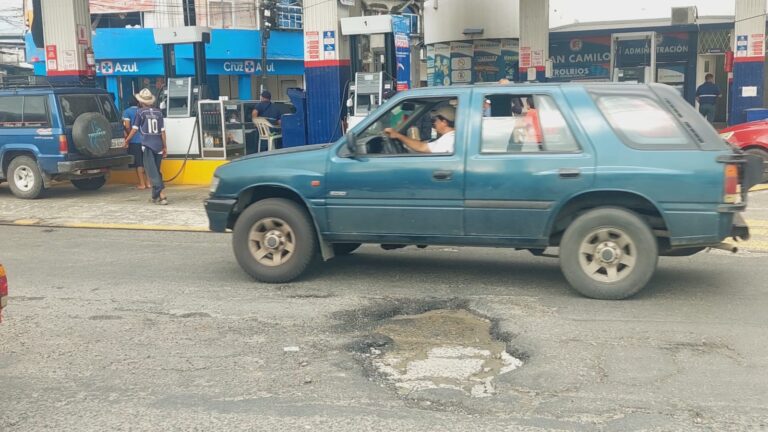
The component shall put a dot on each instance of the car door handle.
(442, 175)
(569, 172)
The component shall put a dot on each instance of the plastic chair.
(266, 133)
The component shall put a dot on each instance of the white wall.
(499, 19)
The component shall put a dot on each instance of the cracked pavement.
(136, 330)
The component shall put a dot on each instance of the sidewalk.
(124, 207)
(113, 206)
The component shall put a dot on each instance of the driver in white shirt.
(443, 120)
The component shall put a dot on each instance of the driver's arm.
(413, 144)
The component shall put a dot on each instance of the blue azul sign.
(129, 67)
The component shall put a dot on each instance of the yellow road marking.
(760, 187)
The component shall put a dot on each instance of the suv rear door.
(72, 105)
(516, 174)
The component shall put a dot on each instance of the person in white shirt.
(443, 120)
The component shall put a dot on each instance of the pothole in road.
(442, 349)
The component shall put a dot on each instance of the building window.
(220, 14)
(290, 15)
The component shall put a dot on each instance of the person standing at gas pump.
(706, 96)
(149, 121)
(134, 145)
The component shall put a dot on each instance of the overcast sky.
(563, 12)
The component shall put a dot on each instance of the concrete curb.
(109, 226)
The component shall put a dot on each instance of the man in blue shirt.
(134, 146)
(149, 121)
(266, 108)
(706, 96)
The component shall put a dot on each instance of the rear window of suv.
(643, 124)
(74, 105)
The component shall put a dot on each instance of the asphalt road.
(135, 330)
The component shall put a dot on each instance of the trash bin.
(295, 125)
(755, 114)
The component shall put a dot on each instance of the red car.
(3, 291)
(751, 137)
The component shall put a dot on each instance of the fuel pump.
(367, 94)
(623, 72)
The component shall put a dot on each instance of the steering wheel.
(389, 144)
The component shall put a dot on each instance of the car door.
(522, 163)
(380, 193)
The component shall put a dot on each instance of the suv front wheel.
(608, 254)
(274, 240)
(25, 178)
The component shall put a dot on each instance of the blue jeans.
(708, 111)
(152, 163)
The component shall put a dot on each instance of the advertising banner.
(430, 65)
(442, 65)
(510, 54)
(121, 6)
(400, 31)
(488, 62)
(581, 58)
(461, 62)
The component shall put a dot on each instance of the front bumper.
(219, 211)
(90, 164)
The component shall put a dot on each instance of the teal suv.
(54, 133)
(613, 175)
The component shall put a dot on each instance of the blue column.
(326, 83)
(749, 72)
(244, 91)
(113, 86)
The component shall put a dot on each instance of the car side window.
(11, 111)
(524, 124)
(643, 124)
(74, 105)
(412, 119)
(36, 112)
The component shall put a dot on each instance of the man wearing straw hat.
(149, 121)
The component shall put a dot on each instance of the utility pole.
(268, 15)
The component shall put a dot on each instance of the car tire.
(92, 134)
(608, 254)
(341, 249)
(764, 156)
(89, 184)
(25, 178)
(274, 240)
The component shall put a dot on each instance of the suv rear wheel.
(608, 254)
(274, 240)
(24, 177)
(89, 184)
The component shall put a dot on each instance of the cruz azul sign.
(239, 67)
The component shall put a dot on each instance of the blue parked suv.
(54, 133)
(613, 175)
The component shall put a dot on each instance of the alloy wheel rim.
(24, 178)
(607, 255)
(271, 242)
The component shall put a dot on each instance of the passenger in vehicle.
(532, 126)
(443, 120)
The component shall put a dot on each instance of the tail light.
(63, 144)
(732, 193)
(3, 291)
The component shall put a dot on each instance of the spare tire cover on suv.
(92, 134)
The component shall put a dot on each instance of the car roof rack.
(37, 81)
